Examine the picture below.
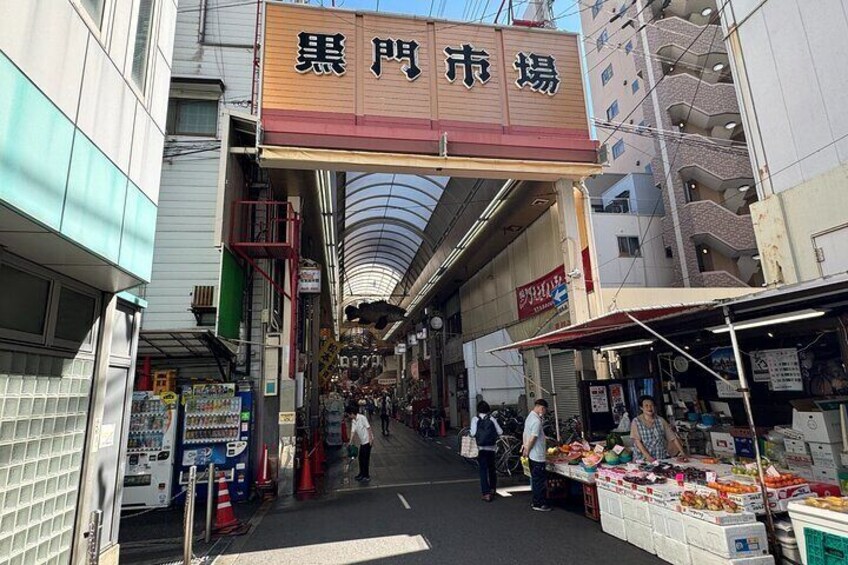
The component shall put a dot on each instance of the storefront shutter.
(565, 382)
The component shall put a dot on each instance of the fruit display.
(611, 458)
(591, 460)
(834, 503)
(643, 480)
(784, 480)
(733, 487)
(690, 474)
(712, 502)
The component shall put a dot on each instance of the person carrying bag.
(485, 431)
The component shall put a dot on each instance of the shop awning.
(182, 344)
(565, 337)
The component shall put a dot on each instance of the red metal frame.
(277, 237)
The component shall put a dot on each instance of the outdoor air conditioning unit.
(203, 297)
(272, 359)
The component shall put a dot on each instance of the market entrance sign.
(335, 79)
(537, 296)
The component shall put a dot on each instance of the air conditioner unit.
(272, 360)
(203, 297)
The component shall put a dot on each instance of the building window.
(606, 76)
(95, 10)
(612, 111)
(668, 252)
(649, 168)
(141, 48)
(618, 149)
(596, 8)
(629, 47)
(628, 246)
(192, 117)
(602, 40)
(634, 86)
(24, 298)
(76, 316)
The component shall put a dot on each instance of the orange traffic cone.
(225, 518)
(305, 484)
(442, 432)
(345, 439)
(264, 478)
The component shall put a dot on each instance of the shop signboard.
(784, 369)
(309, 279)
(398, 84)
(728, 390)
(535, 297)
(400, 349)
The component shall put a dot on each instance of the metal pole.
(210, 495)
(554, 395)
(188, 522)
(95, 522)
(746, 399)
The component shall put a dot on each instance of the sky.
(566, 11)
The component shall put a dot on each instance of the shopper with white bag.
(486, 431)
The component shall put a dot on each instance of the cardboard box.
(744, 447)
(722, 443)
(822, 489)
(796, 447)
(817, 420)
(828, 475)
(730, 542)
(826, 454)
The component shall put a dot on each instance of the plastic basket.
(824, 548)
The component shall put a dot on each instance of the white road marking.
(506, 492)
(448, 447)
(404, 502)
(410, 484)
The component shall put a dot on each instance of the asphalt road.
(423, 506)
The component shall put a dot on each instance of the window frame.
(98, 30)
(602, 40)
(142, 90)
(177, 100)
(635, 86)
(47, 337)
(604, 78)
(619, 143)
(596, 8)
(628, 47)
(631, 252)
(617, 111)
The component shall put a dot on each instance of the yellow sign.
(287, 418)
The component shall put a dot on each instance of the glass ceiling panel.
(385, 218)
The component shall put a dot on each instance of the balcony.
(714, 161)
(704, 98)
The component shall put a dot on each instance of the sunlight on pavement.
(341, 552)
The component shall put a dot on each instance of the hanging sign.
(598, 399)
(400, 349)
(727, 391)
(759, 367)
(619, 408)
(535, 297)
(309, 279)
(784, 369)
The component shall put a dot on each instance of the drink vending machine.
(150, 450)
(216, 429)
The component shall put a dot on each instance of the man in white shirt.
(534, 448)
(360, 430)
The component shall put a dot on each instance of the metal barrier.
(188, 522)
(95, 526)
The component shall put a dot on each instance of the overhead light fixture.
(730, 125)
(744, 188)
(718, 66)
(704, 250)
(706, 11)
(627, 344)
(772, 320)
(756, 257)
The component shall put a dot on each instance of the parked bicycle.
(429, 423)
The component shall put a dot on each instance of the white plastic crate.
(613, 526)
(668, 523)
(731, 542)
(671, 551)
(701, 557)
(640, 535)
(610, 503)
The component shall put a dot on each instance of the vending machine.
(216, 429)
(150, 450)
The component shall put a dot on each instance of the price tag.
(711, 477)
(618, 449)
(751, 466)
(586, 446)
(680, 477)
(772, 472)
(599, 448)
(652, 477)
(631, 467)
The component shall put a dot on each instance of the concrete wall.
(496, 377)
(653, 268)
(793, 92)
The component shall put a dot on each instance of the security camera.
(575, 274)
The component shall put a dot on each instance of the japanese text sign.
(535, 297)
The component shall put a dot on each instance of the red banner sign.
(535, 297)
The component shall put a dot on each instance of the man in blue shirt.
(534, 448)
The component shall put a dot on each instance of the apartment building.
(792, 94)
(83, 100)
(664, 103)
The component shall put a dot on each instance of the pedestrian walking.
(369, 407)
(360, 431)
(486, 431)
(533, 447)
(385, 412)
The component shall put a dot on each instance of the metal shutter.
(565, 382)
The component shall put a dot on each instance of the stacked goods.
(833, 503)
(733, 487)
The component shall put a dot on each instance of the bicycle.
(429, 424)
(508, 455)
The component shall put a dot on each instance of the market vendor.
(652, 436)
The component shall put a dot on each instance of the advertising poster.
(759, 367)
(784, 369)
(723, 362)
(599, 400)
(617, 402)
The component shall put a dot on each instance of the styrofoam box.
(817, 426)
(796, 446)
(826, 454)
(613, 526)
(804, 516)
(610, 503)
(828, 475)
(732, 542)
(669, 550)
(701, 557)
(640, 535)
(722, 443)
(636, 510)
(668, 523)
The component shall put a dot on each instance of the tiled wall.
(43, 413)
